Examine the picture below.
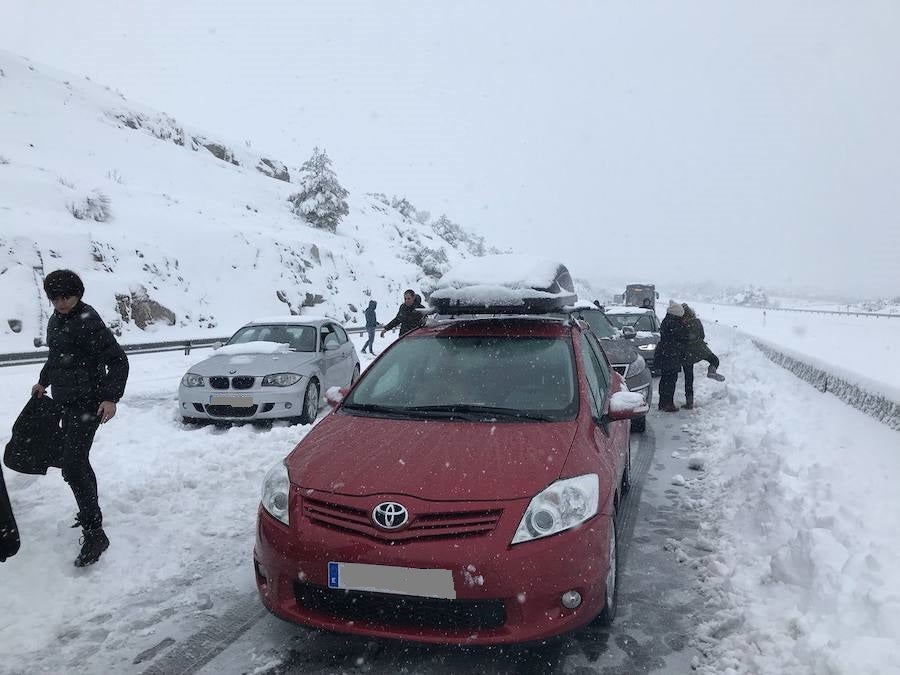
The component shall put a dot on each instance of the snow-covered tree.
(322, 202)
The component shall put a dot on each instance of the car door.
(335, 358)
(347, 353)
(609, 437)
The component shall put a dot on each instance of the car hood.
(619, 351)
(253, 364)
(431, 459)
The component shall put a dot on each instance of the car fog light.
(571, 599)
(288, 405)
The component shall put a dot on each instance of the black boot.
(688, 402)
(94, 543)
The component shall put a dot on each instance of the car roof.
(508, 326)
(630, 310)
(291, 320)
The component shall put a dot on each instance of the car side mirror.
(216, 344)
(629, 332)
(330, 346)
(626, 405)
(334, 396)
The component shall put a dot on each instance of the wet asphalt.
(651, 633)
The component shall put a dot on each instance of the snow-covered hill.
(169, 223)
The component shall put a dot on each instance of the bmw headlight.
(649, 347)
(281, 380)
(636, 367)
(276, 487)
(193, 380)
(563, 505)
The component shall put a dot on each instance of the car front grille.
(231, 411)
(402, 610)
(236, 382)
(424, 525)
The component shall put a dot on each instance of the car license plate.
(233, 401)
(426, 583)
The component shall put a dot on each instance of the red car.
(464, 491)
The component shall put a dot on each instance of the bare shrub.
(95, 206)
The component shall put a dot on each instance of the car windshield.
(298, 338)
(641, 321)
(599, 323)
(472, 378)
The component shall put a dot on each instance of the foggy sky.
(752, 142)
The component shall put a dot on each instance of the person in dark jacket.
(408, 316)
(371, 324)
(86, 370)
(669, 355)
(696, 350)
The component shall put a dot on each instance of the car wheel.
(611, 594)
(639, 425)
(355, 376)
(310, 403)
(626, 474)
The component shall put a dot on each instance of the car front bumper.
(265, 403)
(504, 593)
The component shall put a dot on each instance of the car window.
(341, 333)
(643, 321)
(329, 337)
(597, 374)
(298, 338)
(528, 374)
(598, 322)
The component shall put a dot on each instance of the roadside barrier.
(876, 404)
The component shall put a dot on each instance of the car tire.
(310, 402)
(639, 424)
(355, 376)
(611, 587)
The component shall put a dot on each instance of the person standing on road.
(371, 323)
(408, 316)
(670, 354)
(86, 370)
(695, 351)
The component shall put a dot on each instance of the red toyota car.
(463, 491)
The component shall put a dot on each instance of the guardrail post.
(187, 347)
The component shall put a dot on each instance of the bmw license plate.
(424, 583)
(232, 400)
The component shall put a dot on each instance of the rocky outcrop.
(142, 310)
(274, 169)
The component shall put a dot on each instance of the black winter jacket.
(670, 351)
(37, 439)
(371, 320)
(408, 318)
(85, 365)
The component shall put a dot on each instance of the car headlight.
(636, 367)
(281, 379)
(649, 347)
(276, 487)
(193, 380)
(565, 504)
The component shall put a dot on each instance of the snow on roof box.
(504, 284)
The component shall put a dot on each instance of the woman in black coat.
(670, 353)
(86, 370)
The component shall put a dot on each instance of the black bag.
(37, 438)
(9, 533)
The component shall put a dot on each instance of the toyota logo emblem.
(390, 515)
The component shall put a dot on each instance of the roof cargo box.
(504, 284)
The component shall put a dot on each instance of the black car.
(623, 355)
(641, 326)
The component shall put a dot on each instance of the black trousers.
(79, 424)
(667, 382)
(688, 369)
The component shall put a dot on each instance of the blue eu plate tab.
(333, 575)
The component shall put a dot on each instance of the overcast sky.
(754, 142)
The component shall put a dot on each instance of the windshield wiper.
(376, 409)
(471, 411)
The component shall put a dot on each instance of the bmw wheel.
(310, 402)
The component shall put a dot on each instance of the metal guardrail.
(39, 356)
(836, 312)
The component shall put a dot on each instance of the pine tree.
(322, 202)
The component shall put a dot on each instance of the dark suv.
(623, 354)
(645, 326)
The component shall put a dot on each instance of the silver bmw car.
(274, 368)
